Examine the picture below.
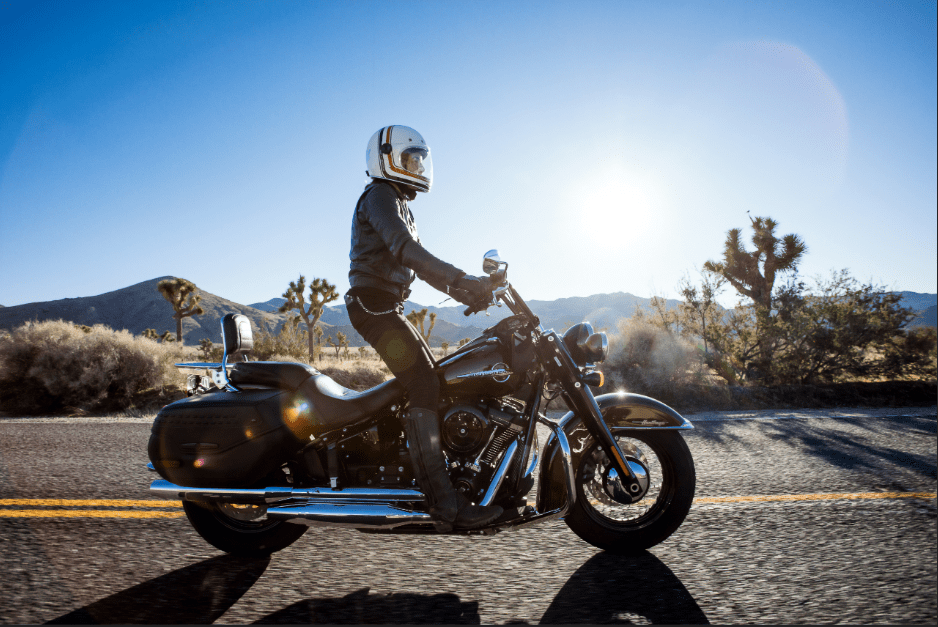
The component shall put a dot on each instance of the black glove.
(478, 288)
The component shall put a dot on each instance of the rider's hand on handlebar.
(478, 288)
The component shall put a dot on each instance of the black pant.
(399, 344)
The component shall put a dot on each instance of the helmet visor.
(417, 162)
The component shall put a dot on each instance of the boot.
(449, 509)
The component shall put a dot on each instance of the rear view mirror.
(491, 262)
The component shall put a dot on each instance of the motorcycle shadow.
(605, 589)
(361, 608)
(626, 590)
(199, 593)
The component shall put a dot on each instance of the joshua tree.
(753, 274)
(206, 346)
(417, 318)
(184, 298)
(168, 337)
(445, 347)
(361, 352)
(742, 268)
(320, 293)
(318, 333)
(338, 344)
(464, 341)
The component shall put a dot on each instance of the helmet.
(398, 153)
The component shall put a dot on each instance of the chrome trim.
(200, 365)
(495, 372)
(223, 369)
(499, 475)
(566, 458)
(356, 515)
(166, 489)
(150, 467)
(532, 464)
(614, 488)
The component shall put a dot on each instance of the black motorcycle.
(260, 451)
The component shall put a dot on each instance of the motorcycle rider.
(386, 254)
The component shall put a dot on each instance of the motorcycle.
(260, 451)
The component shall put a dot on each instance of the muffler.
(169, 490)
(356, 515)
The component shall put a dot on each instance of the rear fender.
(622, 412)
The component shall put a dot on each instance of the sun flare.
(621, 205)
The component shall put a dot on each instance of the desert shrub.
(54, 366)
(647, 359)
(291, 341)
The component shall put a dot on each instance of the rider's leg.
(407, 355)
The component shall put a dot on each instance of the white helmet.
(398, 153)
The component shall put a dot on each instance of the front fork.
(584, 404)
(580, 400)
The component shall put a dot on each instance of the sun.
(619, 204)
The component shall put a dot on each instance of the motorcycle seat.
(333, 404)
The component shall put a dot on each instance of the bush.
(291, 341)
(647, 359)
(55, 366)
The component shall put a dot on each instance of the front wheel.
(241, 529)
(623, 529)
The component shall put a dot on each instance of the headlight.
(584, 345)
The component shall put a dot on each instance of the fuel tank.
(482, 367)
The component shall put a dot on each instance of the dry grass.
(58, 367)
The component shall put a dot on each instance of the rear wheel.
(241, 529)
(622, 529)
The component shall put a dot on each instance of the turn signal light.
(594, 379)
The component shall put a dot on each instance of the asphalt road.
(754, 549)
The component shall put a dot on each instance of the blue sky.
(600, 146)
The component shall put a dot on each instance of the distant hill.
(926, 318)
(141, 307)
(137, 308)
(917, 301)
(602, 310)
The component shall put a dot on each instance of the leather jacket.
(386, 252)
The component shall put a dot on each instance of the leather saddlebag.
(223, 439)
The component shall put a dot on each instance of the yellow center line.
(89, 503)
(816, 497)
(104, 513)
(84, 513)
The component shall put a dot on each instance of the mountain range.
(141, 306)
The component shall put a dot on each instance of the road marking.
(105, 513)
(84, 513)
(796, 416)
(89, 503)
(851, 496)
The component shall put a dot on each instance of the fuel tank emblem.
(499, 372)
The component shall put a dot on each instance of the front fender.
(621, 411)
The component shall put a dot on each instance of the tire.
(241, 530)
(629, 529)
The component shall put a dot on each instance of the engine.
(475, 438)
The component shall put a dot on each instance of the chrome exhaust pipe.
(168, 490)
(355, 515)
